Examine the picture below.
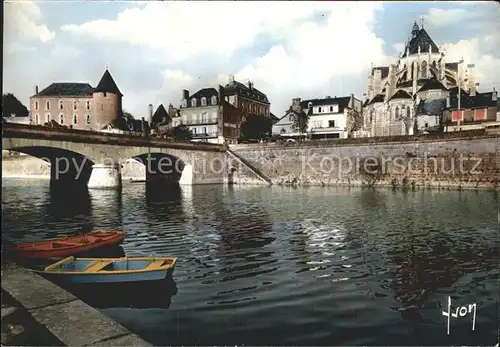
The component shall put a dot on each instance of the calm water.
(279, 266)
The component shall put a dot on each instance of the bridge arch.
(163, 167)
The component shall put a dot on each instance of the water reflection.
(141, 295)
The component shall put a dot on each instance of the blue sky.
(288, 49)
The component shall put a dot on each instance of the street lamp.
(459, 94)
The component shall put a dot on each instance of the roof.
(401, 94)
(160, 116)
(432, 84)
(240, 89)
(451, 66)
(383, 69)
(205, 92)
(377, 98)
(343, 102)
(107, 84)
(431, 107)
(421, 39)
(66, 89)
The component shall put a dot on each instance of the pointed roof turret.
(160, 116)
(415, 30)
(107, 84)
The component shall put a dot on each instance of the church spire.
(415, 30)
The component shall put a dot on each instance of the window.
(37, 119)
(88, 119)
(102, 107)
(75, 119)
(61, 118)
(47, 117)
(36, 105)
(47, 105)
(331, 108)
(317, 124)
(193, 102)
(204, 117)
(204, 130)
(194, 131)
(424, 69)
(61, 105)
(214, 100)
(74, 105)
(371, 115)
(426, 125)
(408, 112)
(87, 105)
(396, 112)
(203, 101)
(320, 109)
(105, 94)
(331, 124)
(184, 103)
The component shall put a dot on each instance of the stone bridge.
(95, 159)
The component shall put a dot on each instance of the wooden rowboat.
(71, 245)
(109, 270)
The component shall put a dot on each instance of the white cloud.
(311, 57)
(398, 48)
(16, 47)
(64, 52)
(22, 21)
(438, 17)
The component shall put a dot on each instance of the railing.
(204, 135)
(198, 122)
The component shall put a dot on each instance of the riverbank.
(466, 160)
(53, 316)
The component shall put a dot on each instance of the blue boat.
(73, 270)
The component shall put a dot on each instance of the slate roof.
(240, 89)
(343, 102)
(480, 100)
(451, 66)
(431, 107)
(67, 89)
(160, 116)
(384, 69)
(377, 98)
(205, 92)
(107, 84)
(421, 39)
(432, 84)
(401, 94)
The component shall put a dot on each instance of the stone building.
(78, 105)
(209, 116)
(421, 73)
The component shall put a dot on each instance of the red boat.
(69, 245)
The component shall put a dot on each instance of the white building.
(17, 120)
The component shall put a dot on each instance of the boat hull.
(70, 245)
(142, 277)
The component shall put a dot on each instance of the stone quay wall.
(454, 160)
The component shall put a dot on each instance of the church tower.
(107, 101)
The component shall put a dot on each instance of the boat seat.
(98, 265)
(155, 264)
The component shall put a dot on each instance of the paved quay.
(36, 312)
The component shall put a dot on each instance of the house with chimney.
(329, 118)
(209, 116)
(78, 105)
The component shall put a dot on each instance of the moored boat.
(70, 245)
(109, 270)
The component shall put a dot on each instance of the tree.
(128, 116)
(300, 121)
(53, 124)
(255, 127)
(12, 105)
(181, 132)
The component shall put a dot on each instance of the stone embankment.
(37, 312)
(453, 160)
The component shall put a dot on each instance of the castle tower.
(107, 102)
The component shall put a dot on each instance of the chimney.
(494, 95)
(150, 112)
(231, 79)
(221, 94)
(250, 85)
(352, 101)
(185, 94)
(296, 104)
(36, 89)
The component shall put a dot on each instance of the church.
(422, 75)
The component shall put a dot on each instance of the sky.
(304, 49)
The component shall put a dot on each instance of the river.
(285, 266)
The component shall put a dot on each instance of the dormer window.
(193, 102)
(203, 101)
(214, 100)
